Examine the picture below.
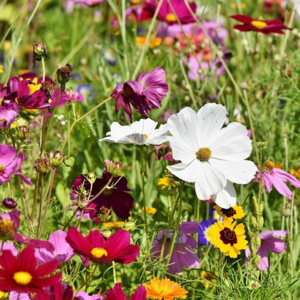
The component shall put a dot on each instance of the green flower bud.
(106, 233)
(24, 133)
(114, 168)
(244, 85)
(43, 165)
(254, 222)
(257, 260)
(257, 242)
(260, 223)
(129, 226)
(57, 158)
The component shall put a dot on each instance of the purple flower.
(268, 243)
(117, 293)
(10, 164)
(11, 247)
(183, 254)
(62, 250)
(8, 114)
(277, 177)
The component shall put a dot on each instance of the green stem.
(143, 191)
(44, 68)
(41, 204)
(74, 213)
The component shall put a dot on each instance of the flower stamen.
(98, 252)
(204, 154)
(259, 24)
(22, 278)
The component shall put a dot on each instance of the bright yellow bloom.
(164, 290)
(155, 42)
(206, 278)
(164, 182)
(228, 239)
(114, 224)
(235, 212)
(150, 210)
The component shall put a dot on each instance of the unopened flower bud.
(260, 223)
(56, 157)
(106, 233)
(91, 178)
(129, 226)
(254, 222)
(244, 85)
(39, 52)
(257, 242)
(24, 133)
(43, 165)
(257, 260)
(114, 168)
(63, 75)
(9, 203)
(286, 212)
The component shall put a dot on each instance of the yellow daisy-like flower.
(228, 238)
(155, 42)
(206, 278)
(235, 212)
(164, 290)
(114, 224)
(164, 182)
(150, 210)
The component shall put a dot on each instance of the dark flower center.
(127, 91)
(230, 212)
(107, 191)
(228, 236)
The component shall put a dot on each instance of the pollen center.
(22, 278)
(98, 252)
(146, 136)
(7, 227)
(127, 91)
(2, 169)
(171, 17)
(228, 236)
(230, 212)
(268, 166)
(259, 24)
(204, 154)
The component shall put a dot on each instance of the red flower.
(117, 293)
(22, 274)
(263, 26)
(94, 247)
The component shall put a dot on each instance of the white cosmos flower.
(211, 156)
(141, 132)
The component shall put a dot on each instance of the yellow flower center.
(145, 136)
(7, 227)
(114, 224)
(98, 252)
(3, 295)
(204, 154)
(171, 18)
(268, 166)
(2, 169)
(22, 278)
(259, 24)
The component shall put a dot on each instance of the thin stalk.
(114, 272)
(41, 203)
(74, 213)
(44, 68)
(35, 196)
(143, 192)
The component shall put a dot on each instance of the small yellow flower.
(107, 89)
(235, 212)
(1, 69)
(164, 182)
(114, 224)
(155, 42)
(228, 238)
(150, 210)
(206, 278)
(164, 289)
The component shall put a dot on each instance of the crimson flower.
(22, 274)
(94, 247)
(117, 293)
(262, 26)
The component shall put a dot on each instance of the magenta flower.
(277, 177)
(115, 196)
(268, 243)
(117, 293)
(133, 14)
(84, 296)
(11, 247)
(62, 250)
(183, 254)
(8, 114)
(10, 164)
(97, 248)
(166, 14)
(65, 97)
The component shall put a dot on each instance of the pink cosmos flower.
(165, 13)
(133, 14)
(277, 177)
(11, 247)
(268, 243)
(8, 114)
(183, 254)
(65, 97)
(117, 293)
(62, 250)
(10, 164)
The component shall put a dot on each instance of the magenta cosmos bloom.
(62, 250)
(65, 97)
(166, 14)
(10, 164)
(96, 248)
(277, 177)
(268, 243)
(115, 196)
(183, 254)
(262, 26)
(117, 293)
(22, 274)
(8, 113)
(144, 93)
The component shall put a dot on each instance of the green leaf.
(63, 194)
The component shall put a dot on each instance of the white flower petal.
(187, 172)
(184, 126)
(241, 172)
(210, 181)
(232, 143)
(181, 151)
(227, 197)
(144, 126)
(158, 136)
(211, 119)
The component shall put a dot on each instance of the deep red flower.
(263, 26)
(22, 274)
(114, 197)
(94, 247)
(166, 14)
(117, 293)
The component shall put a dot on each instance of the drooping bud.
(56, 157)
(9, 203)
(43, 165)
(39, 52)
(114, 168)
(24, 133)
(63, 75)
